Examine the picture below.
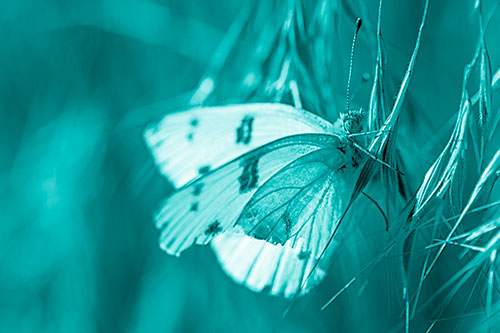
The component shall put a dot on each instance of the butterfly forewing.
(187, 144)
(211, 204)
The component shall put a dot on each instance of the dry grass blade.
(486, 181)
(439, 185)
(378, 143)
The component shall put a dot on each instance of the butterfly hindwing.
(288, 223)
(212, 203)
(188, 144)
(274, 212)
(260, 265)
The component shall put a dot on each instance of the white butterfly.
(265, 184)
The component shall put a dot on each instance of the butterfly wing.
(211, 204)
(288, 223)
(190, 143)
(260, 265)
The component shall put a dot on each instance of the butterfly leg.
(379, 209)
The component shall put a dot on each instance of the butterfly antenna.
(358, 26)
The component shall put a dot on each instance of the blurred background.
(80, 80)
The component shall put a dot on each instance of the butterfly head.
(352, 121)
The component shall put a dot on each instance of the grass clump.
(444, 217)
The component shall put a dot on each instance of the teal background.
(78, 249)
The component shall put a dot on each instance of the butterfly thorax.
(352, 155)
(349, 123)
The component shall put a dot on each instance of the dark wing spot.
(204, 169)
(250, 175)
(244, 132)
(303, 255)
(342, 167)
(194, 122)
(197, 189)
(190, 136)
(288, 223)
(194, 207)
(213, 229)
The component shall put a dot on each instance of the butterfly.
(265, 184)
